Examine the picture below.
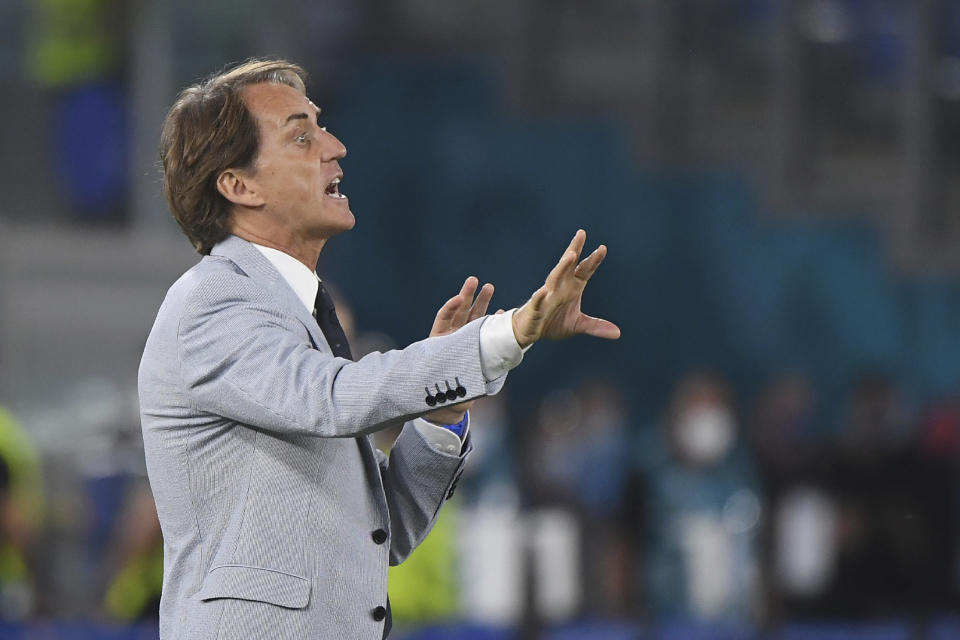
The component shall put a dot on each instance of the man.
(279, 516)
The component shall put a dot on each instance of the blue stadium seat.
(846, 631)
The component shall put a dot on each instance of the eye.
(302, 138)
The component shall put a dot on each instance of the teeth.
(333, 192)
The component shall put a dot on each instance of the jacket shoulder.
(215, 281)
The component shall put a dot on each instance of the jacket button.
(379, 536)
(379, 613)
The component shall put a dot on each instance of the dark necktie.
(326, 315)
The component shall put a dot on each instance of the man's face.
(296, 172)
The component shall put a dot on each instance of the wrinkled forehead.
(274, 104)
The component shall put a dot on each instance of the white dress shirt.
(499, 350)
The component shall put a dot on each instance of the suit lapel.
(255, 265)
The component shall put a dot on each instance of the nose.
(333, 148)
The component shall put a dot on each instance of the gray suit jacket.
(279, 516)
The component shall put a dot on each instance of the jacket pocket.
(256, 583)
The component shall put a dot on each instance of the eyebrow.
(300, 116)
(296, 116)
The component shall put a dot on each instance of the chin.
(340, 226)
(349, 223)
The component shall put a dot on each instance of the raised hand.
(456, 312)
(553, 311)
(462, 308)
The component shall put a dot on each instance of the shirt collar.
(301, 279)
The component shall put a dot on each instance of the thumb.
(597, 327)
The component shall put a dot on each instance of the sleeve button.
(379, 613)
(379, 536)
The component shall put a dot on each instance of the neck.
(305, 250)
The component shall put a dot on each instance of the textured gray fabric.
(267, 485)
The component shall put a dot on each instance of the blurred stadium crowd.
(772, 448)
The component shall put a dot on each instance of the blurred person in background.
(120, 566)
(135, 559)
(491, 477)
(939, 437)
(277, 511)
(489, 522)
(939, 447)
(895, 536)
(698, 496)
(76, 52)
(21, 513)
(580, 461)
(604, 465)
(799, 520)
(109, 477)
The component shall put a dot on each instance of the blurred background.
(771, 449)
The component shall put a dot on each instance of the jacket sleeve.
(417, 480)
(242, 358)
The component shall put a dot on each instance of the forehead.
(272, 103)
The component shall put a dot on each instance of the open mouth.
(333, 189)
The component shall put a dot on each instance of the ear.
(238, 188)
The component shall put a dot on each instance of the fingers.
(447, 315)
(579, 239)
(480, 305)
(467, 291)
(597, 327)
(569, 258)
(567, 261)
(463, 308)
(449, 310)
(589, 265)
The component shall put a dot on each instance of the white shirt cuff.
(441, 439)
(499, 350)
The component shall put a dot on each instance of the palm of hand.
(565, 320)
(559, 321)
(554, 310)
